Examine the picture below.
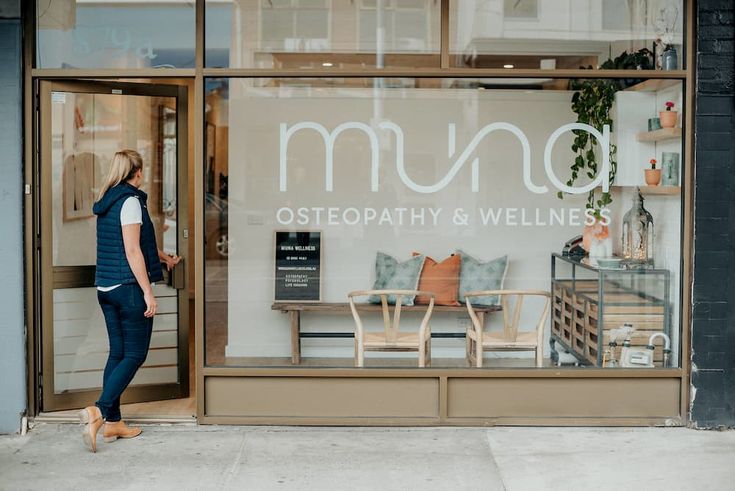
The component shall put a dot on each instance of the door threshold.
(154, 412)
(64, 417)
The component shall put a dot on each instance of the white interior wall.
(666, 213)
(349, 251)
(632, 110)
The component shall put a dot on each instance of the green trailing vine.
(592, 102)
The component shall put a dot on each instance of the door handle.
(178, 275)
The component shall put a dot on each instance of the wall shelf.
(654, 190)
(660, 190)
(654, 85)
(659, 135)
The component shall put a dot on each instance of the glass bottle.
(638, 233)
(669, 59)
(611, 361)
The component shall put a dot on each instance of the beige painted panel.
(321, 397)
(165, 322)
(563, 398)
(161, 290)
(93, 379)
(97, 361)
(167, 305)
(82, 345)
(72, 328)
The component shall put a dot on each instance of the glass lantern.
(638, 233)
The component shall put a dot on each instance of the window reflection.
(315, 33)
(447, 181)
(549, 34)
(114, 34)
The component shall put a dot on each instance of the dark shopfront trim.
(713, 330)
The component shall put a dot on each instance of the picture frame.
(78, 186)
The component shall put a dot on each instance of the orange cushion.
(441, 279)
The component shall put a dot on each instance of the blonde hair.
(123, 167)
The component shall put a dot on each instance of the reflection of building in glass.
(115, 34)
(552, 34)
(343, 33)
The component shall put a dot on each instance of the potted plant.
(668, 117)
(653, 175)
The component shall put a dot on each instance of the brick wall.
(713, 330)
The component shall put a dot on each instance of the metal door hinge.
(27, 188)
(186, 233)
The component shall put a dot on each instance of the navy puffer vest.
(112, 264)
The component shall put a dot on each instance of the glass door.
(82, 124)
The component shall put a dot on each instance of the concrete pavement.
(184, 457)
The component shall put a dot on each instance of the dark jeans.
(129, 332)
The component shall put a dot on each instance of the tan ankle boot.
(91, 418)
(119, 429)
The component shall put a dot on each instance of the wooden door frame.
(44, 270)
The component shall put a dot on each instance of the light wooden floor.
(172, 410)
(378, 362)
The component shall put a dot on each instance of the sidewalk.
(184, 457)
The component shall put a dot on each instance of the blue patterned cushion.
(392, 275)
(477, 275)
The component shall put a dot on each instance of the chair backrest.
(512, 313)
(390, 325)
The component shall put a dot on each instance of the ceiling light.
(326, 63)
(508, 66)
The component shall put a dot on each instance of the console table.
(588, 302)
(294, 310)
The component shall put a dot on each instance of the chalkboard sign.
(298, 266)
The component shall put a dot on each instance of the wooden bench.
(294, 310)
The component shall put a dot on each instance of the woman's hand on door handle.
(168, 260)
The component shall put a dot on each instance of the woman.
(128, 263)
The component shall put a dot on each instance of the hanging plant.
(592, 102)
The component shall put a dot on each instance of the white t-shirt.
(130, 213)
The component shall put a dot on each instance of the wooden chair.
(391, 339)
(511, 338)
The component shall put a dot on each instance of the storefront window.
(547, 34)
(297, 34)
(319, 187)
(114, 34)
